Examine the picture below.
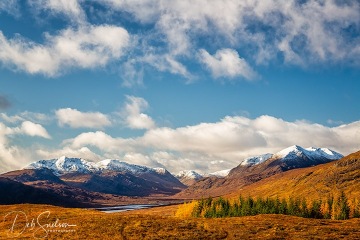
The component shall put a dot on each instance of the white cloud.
(69, 8)
(34, 129)
(12, 156)
(8, 154)
(102, 141)
(226, 63)
(133, 116)
(29, 128)
(85, 47)
(141, 159)
(76, 119)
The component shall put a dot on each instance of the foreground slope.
(313, 182)
(92, 224)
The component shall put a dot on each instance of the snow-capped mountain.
(293, 153)
(296, 152)
(64, 165)
(188, 177)
(107, 176)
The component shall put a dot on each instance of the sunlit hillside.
(312, 183)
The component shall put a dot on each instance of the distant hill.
(256, 168)
(188, 177)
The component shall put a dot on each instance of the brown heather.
(160, 223)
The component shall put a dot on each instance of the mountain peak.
(310, 153)
(64, 165)
(292, 150)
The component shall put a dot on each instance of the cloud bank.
(205, 147)
(243, 35)
(208, 147)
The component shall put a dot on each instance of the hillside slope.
(12, 192)
(313, 182)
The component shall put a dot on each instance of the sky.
(186, 85)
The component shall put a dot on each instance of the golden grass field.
(161, 223)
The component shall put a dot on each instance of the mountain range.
(75, 180)
(85, 181)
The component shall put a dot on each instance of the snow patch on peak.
(290, 151)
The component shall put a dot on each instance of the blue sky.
(186, 85)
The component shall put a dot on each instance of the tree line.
(339, 208)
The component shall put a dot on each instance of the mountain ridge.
(107, 177)
(314, 182)
(254, 169)
(65, 165)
